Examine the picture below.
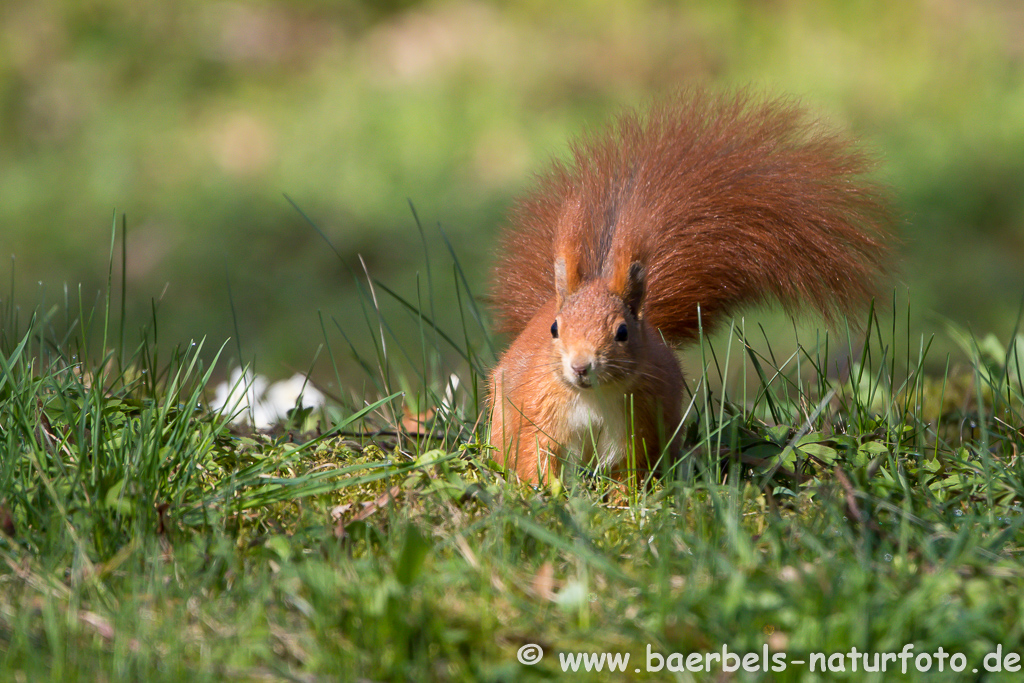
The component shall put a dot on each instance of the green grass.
(145, 538)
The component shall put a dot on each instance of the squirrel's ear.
(633, 292)
(567, 279)
(561, 283)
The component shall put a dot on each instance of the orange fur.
(707, 201)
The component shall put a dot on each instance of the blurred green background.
(196, 118)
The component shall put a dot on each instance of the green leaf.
(412, 557)
(822, 452)
(280, 545)
(779, 433)
(114, 500)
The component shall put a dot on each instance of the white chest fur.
(598, 428)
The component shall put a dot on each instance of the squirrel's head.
(597, 334)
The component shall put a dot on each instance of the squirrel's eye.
(554, 329)
(622, 333)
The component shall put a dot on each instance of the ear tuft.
(633, 292)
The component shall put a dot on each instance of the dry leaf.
(543, 584)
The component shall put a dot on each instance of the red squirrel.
(657, 226)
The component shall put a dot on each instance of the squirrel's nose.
(581, 368)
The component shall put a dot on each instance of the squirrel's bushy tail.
(727, 200)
